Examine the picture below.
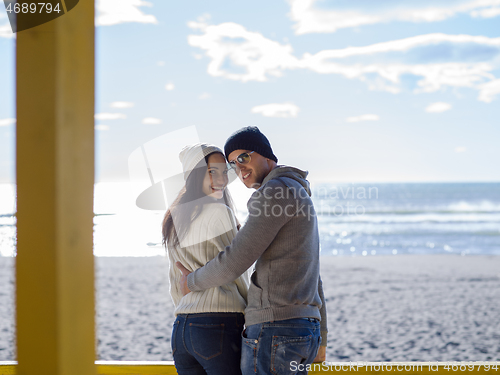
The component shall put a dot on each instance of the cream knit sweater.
(209, 233)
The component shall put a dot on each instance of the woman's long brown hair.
(192, 191)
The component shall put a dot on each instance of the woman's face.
(215, 180)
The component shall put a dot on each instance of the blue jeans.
(280, 347)
(207, 343)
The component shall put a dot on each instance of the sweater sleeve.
(322, 311)
(267, 213)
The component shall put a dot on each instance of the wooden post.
(55, 178)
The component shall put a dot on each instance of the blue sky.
(400, 91)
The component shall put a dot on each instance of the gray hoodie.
(281, 235)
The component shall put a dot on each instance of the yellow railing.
(417, 368)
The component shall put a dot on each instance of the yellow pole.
(55, 176)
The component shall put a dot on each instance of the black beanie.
(249, 138)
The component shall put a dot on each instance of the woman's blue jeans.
(207, 343)
(280, 347)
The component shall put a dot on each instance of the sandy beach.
(413, 308)
(381, 308)
(7, 350)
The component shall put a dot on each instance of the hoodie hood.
(289, 172)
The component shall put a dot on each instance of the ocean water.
(410, 218)
(354, 219)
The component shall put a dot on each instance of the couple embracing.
(273, 322)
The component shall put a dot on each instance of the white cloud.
(438, 107)
(205, 96)
(369, 117)
(6, 31)
(160, 63)
(311, 19)
(419, 56)
(201, 22)
(113, 12)
(151, 121)
(283, 110)
(437, 60)
(489, 90)
(109, 116)
(122, 105)
(101, 127)
(486, 13)
(239, 54)
(169, 86)
(404, 45)
(460, 149)
(7, 121)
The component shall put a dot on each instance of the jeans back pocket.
(289, 350)
(207, 339)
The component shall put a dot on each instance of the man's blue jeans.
(207, 343)
(281, 347)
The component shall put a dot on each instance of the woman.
(206, 336)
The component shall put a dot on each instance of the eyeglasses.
(241, 159)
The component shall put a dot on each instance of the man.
(285, 299)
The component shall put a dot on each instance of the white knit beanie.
(191, 155)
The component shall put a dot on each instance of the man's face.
(252, 173)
